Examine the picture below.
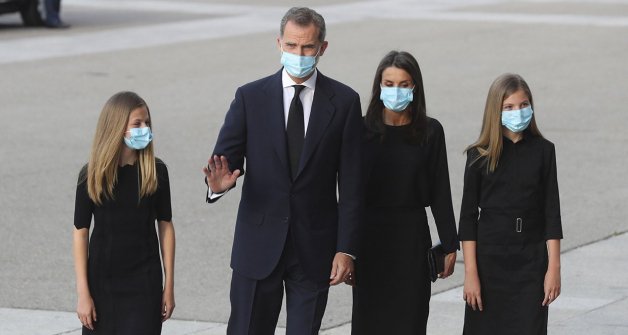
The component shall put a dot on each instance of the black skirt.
(511, 278)
(392, 291)
(128, 305)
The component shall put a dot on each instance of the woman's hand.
(217, 174)
(167, 304)
(551, 285)
(450, 262)
(86, 311)
(472, 292)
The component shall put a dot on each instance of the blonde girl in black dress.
(510, 224)
(126, 190)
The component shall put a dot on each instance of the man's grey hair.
(303, 17)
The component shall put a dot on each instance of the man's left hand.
(341, 269)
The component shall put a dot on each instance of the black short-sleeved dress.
(124, 267)
(393, 288)
(511, 212)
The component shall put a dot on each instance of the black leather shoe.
(57, 24)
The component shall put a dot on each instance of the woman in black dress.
(406, 171)
(126, 189)
(510, 223)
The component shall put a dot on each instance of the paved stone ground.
(186, 58)
(591, 303)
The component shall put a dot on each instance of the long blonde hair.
(489, 144)
(102, 169)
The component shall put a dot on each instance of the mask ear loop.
(318, 51)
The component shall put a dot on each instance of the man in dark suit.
(299, 133)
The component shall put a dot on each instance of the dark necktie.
(295, 131)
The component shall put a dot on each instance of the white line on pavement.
(237, 20)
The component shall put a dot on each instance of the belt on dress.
(519, 225)
(532, 220)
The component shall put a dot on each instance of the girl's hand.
(472, 294)
(86, 311)
(167, 304)
(551, 285)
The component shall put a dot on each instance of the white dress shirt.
(307, 96)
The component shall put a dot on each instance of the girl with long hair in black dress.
(510, 224)
(126, 190)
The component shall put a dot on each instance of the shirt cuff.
(211, 195)
(350, 255)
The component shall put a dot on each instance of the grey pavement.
(594, 300)
(186, 58)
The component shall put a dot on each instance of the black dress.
(511, 212)
(124, 267)
(393, 288)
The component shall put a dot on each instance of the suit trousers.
(256, 304)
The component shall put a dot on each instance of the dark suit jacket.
(322, 207)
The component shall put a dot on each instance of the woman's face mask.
(395, 98)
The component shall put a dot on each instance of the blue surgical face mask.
(396, 99)
(139, 139)
(298, 66)
(517, 120)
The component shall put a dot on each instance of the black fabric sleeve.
(83, 205)
(350, 187)
(469, 209)
(163, 208)
(553, 225)
(231, 141)
(440, 189)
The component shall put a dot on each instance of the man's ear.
(323, 48)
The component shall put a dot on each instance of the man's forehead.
(294, 29)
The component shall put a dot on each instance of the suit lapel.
(277, 128)
(320, 116)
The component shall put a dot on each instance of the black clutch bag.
(436, 261)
